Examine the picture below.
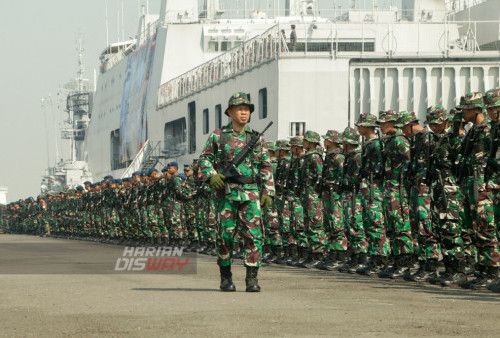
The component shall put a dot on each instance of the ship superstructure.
(160, 95)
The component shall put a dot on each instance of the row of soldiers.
(381, 199)
(394, 195)
(150, 208)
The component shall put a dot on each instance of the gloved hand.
(217, 181)
(265, 202)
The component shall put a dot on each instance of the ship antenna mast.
(81, 69)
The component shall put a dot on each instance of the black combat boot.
(470, 265)
(361, 263)
(495, 285)
(302, 256)
(427, 270)
(399, 269)
(266, 253)
(328, 259)
(251, 279)
(238, 254)
(195, 246)
(282, 254)
(315, 260)
(491, 277)
(292, 254)
(480, 274)
(226, 282)
(349, 264)
(456, 275)
(374, 266)
(339, 258)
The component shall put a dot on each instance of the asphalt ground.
(86, 298)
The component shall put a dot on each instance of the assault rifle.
(230, 172)
(489, 170)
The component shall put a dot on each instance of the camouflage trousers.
(313, 221)
(190, 220)
(243, 218)
(428, 247)
(271, 226)
(496, 209)
(176, 220)
(373, 213)
(353, 216)
(334, 222)
(284, 213)
(399, 228)
(483, 222)
(297, 222)
(449, 217)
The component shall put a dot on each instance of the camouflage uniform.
(243, 202)
(270, 215)
(396, 158)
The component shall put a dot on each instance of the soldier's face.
(438, 128)
(272, 154)
(386, 127)
(188, 173)
(155, 175)
(172, 170)
(493, 113)
(136, 178)
(470, 114)
(239, 114)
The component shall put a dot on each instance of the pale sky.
(38, 56)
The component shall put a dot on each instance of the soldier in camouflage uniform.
(272, 236)
(446, 198)
(418, 181)
(371, 189)
(396, 158)
(282, 201)
(309, 182)
(297, 229)
(240, 209)
(351, 199)
(479, 193)
(189, 207)
(331, 188)
(492, 170)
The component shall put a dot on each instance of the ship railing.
(138, 159)
(248, 55)
(147, 33)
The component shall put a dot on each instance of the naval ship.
(159, 95)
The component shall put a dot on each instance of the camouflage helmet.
(271, 146)
(333, 136)
(296, 141)
(366, 120)
(406, 117)
(239, 98)
(350, 135)
(492, 98)
(471, 101)
(436, 114)
(312, 136)
(387, 116)
(282, 145)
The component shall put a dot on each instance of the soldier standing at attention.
(396, 158)
(371, 190)
(241, 206)
(310, 177)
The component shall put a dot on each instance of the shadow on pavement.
(175, 289)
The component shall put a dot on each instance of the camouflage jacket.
(396, 155)
(215, 157)
(371, 159)
(422, 146)
(333, 171)
(352, 164)
(282, 172)
(310, 173)
(294, 173)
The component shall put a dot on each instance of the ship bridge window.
(263, 103)
(175, 138)
(206, 125)
(218, 116)
(213, 46)
(192, 127)
(297, 128)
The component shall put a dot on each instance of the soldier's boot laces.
(226, 282)
(491, 277)
(457, 275)
(251, 280)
